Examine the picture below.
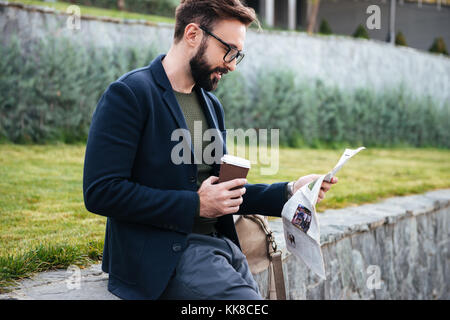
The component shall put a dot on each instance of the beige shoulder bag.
(259, 246)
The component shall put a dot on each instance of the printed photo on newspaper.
(300, 224)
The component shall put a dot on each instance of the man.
(170, 232)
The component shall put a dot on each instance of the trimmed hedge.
(49, 90)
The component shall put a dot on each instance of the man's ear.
(193, 35)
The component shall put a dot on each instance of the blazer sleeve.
(264, 199)
(110, 151)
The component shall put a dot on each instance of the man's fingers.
(321, 196)
(230, 210)
(235, 202)
(237, 193)
(234, 183)
(212, 179)
(325, 186)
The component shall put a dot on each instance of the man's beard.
(201, 71)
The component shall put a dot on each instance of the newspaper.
(301, 228)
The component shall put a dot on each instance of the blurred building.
(419, 21)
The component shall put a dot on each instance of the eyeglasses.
(232, 52)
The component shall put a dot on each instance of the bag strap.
(274, 256)
(278, 275)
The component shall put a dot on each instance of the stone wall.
(395, 249)
(336, 60)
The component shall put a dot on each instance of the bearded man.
(170, 232)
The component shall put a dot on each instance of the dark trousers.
(212, 267)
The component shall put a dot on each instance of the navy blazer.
(151, 202)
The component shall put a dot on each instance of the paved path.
(70, 284)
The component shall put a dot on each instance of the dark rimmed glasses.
(232, 52)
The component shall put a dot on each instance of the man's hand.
(310, 178)
(217, 199)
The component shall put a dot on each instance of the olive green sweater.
(192, 110)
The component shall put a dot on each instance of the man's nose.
(231, 65)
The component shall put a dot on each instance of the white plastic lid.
(236, 161)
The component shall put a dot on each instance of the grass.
(98, 12)
(44, 224)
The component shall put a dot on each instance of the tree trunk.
(312, 17)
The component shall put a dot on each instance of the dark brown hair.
(208, 12)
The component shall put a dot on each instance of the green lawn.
(44, 224)
(99, 12)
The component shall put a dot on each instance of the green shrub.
(400, 39)
(54, 85)
(438, 46)
(361, 32)
(324, 27)
(316, 115)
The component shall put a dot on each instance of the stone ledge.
(404, 239)
(335, 225)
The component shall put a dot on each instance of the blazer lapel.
(170, 100)
(160, 77)
(172, 103)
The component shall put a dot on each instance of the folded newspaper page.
(301, 228)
